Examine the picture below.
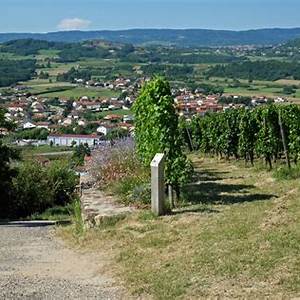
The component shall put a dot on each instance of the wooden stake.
(286, 152)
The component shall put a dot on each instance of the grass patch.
(57, 213)
(132, 190)
(284, 173)
(238, 238)
(30, 150)
(78, 92)
(77, 218)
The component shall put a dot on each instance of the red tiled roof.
(43, 123)
(87, 136)
(112, 116)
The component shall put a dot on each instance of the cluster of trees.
(72, 129)
(73, 74)
(171, 71)
(113, 71)
(235, 100)
(67, 52)
(200, 58)
(74, 52)
(34, 188)
(28, 46)
(79, 154)
(28, 187)
(33, 134)
(206, 89)
(12, 71)
(268, 132)
(289, 89)
(117, 133)
(44, 75)
(173, 55)
(259, 70)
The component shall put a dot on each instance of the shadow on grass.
(207, 190)
(208, 175)
(187, 209)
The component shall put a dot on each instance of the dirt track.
(35, 265)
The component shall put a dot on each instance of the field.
(52, 88)
(257, 88)
(33, 150)
(45, 152)
(78, 92)
(238, 237)
(106, 69)
(66, 89)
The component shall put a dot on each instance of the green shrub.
(37, 188)
(132, 189)
(33, 194)
(55, 213)
(33, 134)
(63, 182)
(79, 154)
(141, 194)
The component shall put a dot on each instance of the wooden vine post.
(285, 148)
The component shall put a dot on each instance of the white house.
(104, 129)
(29, 125)
(67, 122)
(81, 122)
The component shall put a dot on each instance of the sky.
(55, 15)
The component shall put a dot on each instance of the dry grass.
(238, 237)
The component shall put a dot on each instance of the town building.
(73, 139)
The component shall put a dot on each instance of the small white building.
(71, 139)
(29, 125)
(105, 129)
(67, 122)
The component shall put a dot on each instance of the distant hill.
(179, 37)
(293, 44)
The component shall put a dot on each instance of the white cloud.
(73, 24)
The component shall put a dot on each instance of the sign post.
(158, 184)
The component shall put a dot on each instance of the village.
(93, 120)
(149, 149)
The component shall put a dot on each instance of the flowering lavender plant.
(113, 162)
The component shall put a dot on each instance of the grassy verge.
(284, 173)
(70, 212)
(237, 237)
(58, 213)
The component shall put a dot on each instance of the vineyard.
(270, 132)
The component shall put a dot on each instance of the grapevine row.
(270, 132)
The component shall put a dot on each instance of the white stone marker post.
(158, 184)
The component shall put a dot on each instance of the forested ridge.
(12, 71)
(258, 70)
(179, 37)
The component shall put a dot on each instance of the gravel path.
(35, 265)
